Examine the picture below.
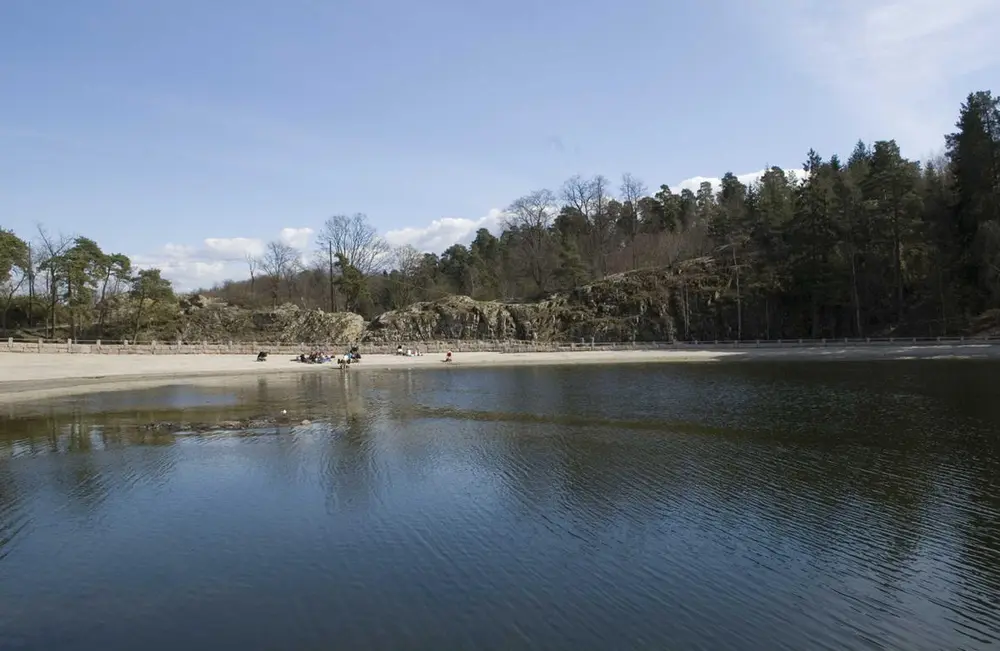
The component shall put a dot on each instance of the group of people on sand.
(315, 357)
(350, 357)
(320, 357)
(416, 353)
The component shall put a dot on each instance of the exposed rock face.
(619, 308)
(205, 319)
(452, 317)
(634, 306)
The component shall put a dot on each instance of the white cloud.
(899, 63)
(297, 238)
(442, 233)
(233, 248)
(216, 259)
(749, 178)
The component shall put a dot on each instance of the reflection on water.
(841, 506)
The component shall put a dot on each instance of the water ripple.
(699, 508)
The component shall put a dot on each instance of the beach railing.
(107, 347)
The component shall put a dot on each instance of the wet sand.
(29, 376)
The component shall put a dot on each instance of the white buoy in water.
(284, 411)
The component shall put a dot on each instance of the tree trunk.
(739, 300)
(53, 298)
(897, 260)
(687, 313)
(138, 320)
(31, 287)
(944, 314)
(103, 310)
(767, 317)
(855, 298)
(72, 310)
(333, 291)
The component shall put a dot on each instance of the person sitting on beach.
(399, 349)
(447, 356)
(262, 356)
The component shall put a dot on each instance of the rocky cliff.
(619, 308)
(205, 319)
(633, 306)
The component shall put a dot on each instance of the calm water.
(746, 506)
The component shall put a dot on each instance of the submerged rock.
(237, 425)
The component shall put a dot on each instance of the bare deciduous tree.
(578, 193)
(406, 262)
(253, 264)
(632, 191)
(603, 222)
(280, 262)
(533, 212)
(590, 198)
(531, 217)
(50, 248)
(355, 239)
(406, 259)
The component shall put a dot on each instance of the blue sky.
(185, 132)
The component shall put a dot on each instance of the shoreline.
(38, 377)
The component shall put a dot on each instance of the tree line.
(872, 244)
(57, 285)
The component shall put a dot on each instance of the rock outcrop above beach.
(636, 305)
(639, 305)
(205, 319)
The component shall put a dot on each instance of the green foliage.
(74, 289)
(872, 245)
(880, 244)
(13, 253)
(353, 285)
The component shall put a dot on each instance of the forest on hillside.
(866, 245)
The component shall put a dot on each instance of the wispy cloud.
(297, 238)
(442, 233)
(217, 258)
(901, 64)
(749, 178)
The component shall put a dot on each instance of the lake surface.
(745, 506)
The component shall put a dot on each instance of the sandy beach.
(25, 376)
